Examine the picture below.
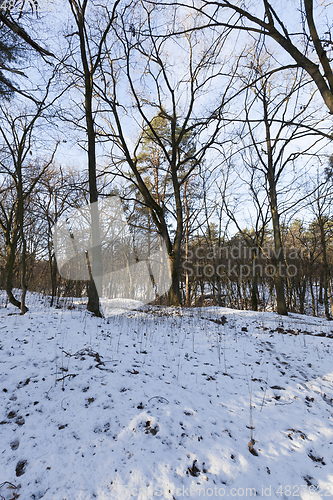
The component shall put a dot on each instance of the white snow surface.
(163, 403)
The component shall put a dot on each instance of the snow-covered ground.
(164, 403)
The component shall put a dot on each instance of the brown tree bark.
(89, 69)
(278, 248)
(327, 294)
(9, 268)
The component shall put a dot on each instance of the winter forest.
(211, 122)
(166, 249)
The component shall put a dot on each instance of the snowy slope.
(165, 403)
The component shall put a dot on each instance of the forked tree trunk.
(93, 298)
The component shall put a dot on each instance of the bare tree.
(174, 92)
(284, 115)
(59, 190)
(309, 49)
(320, 203)
(259, 219)
(90, 55)
(19, 176)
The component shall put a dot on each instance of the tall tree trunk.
(174, 293)
(302, 296)
(254, 288)
(313, 300)
(175, 296)
(96, 274)
(53, 276)
(20, 217)
(278, 255)
(187, 278)
(320, 293)
(278, 258)
(278, 249)
(24, 287)
(330, 294)
(96, 264)
(325, 265)
(9, 268)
